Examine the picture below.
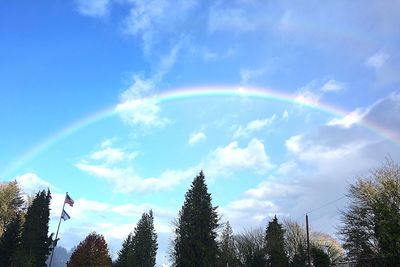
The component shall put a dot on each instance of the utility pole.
(308, 243)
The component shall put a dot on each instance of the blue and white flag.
(65, 215)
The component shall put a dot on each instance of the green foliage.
(144, 243)
(371, 223)
(35, 242)
(275, 244)
(92, 251)
(122, 260)
(140, 248)
(319, 257)
(10, 203)
(10, 240)
(195, 234)
(227, 248)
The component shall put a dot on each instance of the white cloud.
(247, 75)
(231, 158)
(108, 154)
(333, 86)
(377, 60)
(233, 19)
(126, 181)
(135, 107)
(253, 126)
(153, 19)
(285, 115)
(144, 111)
(293, 144)
(271, 190)
(196, 137)
(307, 97)
(31, 183)
(350, 119)
(93, 8)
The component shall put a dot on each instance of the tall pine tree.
(275, 245)
(144, 243)
(35, 242)
(227, 254)
(10, 240)
(140, 248)
(122, 260)
(195, 234)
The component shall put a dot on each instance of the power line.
(326, 204)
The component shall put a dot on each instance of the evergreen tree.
(227, 247)
(195, 233)
(11, 203)
(9, 241)
(35, 242)
(122, 260)
(274, 243)
(91, 252)
(319, 257)
(144, 243)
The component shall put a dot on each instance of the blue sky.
(85, 108)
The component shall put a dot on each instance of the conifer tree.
(227, 247)
(35, 242)
(195, 233)
(274, 243)
(144, 243)
(122, 260)
(92, 251)
(10, 240)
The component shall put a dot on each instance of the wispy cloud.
(377, 60)
(93, 8)
(248, 75)
(333, 86)
(253, 126)
(196, 137)
(229, 19)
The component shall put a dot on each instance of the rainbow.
(187, 93)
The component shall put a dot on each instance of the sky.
(121, 103)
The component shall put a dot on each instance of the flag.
(69, 200)
(65, 215)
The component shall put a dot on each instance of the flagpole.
(58, 228)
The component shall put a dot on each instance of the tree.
(10, 240)
(122, 260)
(329, 245)
(371, 222)
(250, 249)
(144, 243)
(11, 203)
(91, 252)
(196, 230)
(319, 257)
(275, 244)
(35, 242)
(227, 248)
(295, 243)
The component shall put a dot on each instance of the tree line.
(369, 231)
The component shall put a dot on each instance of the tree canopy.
(371, 223)
(91, 252)
(195, 241)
